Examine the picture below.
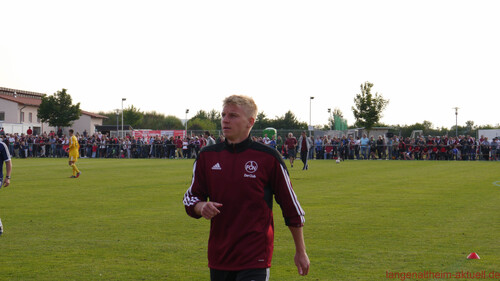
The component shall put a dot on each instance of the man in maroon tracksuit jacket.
(233, 186)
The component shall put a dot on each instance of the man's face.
(235, 123)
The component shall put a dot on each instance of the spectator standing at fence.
(345, 147)
(241, 231)
(208, 137)
(318, 147)
(197, 146)
(473, 148)
(485, 149)
(88, 147)
(203, 141)
(372, 148)
(328, 149)
(279, 145)
(441, 148)
(29, 143)
(272, 143)
(355, 144)
(365, 148)
(310, 154)
(40, 146)
(52, 142)
(102, 147)
(127, 144)
(266, 140)
(494, 149)
(190, 147)
(185, 144)
(178, 147)
(46, 141)
(16, 147)
(171, 149)
(139, 147)
(24, 149)
(389, 148)
(350, 148)
(12, 141)
(380, 147)
(94, 149)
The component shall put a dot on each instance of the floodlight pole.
(117, 111)
(456, 121)
(187, 111)
(310, 123)
(330, 115)
(123, 99)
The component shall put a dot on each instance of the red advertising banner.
(161, 133)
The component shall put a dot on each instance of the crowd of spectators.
(400, 148)
(101, 145)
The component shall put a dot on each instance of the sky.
(425, 57)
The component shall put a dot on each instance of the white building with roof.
(19, 112)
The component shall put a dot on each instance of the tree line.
(58, 111)
(202, 120)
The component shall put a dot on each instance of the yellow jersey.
(73, 146)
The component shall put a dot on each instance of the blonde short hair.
(246, 102)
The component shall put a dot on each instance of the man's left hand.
(302, 262)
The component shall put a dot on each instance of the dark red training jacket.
(243, 177)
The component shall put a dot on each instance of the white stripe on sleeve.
(296, 203)
(189, 200)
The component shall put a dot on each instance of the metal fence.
(407, 152)
(324, 152)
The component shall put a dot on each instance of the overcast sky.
(426, 57)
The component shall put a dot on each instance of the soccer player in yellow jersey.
(73, 149)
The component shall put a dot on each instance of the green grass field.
(124, 220)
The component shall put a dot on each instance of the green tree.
(140, 120)
(470, 125)
(427, 125)
(171, 122)
(215, 116)
(111, 120)
(132, 116)
(157, 121)
(288, 121)
(261, 122)
(58, 110)
(201, 124)
(201, 114)
(368, 108)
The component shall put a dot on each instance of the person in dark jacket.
(233, 186)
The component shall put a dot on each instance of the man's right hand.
(207, 210)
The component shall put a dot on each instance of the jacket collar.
(238, 147)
